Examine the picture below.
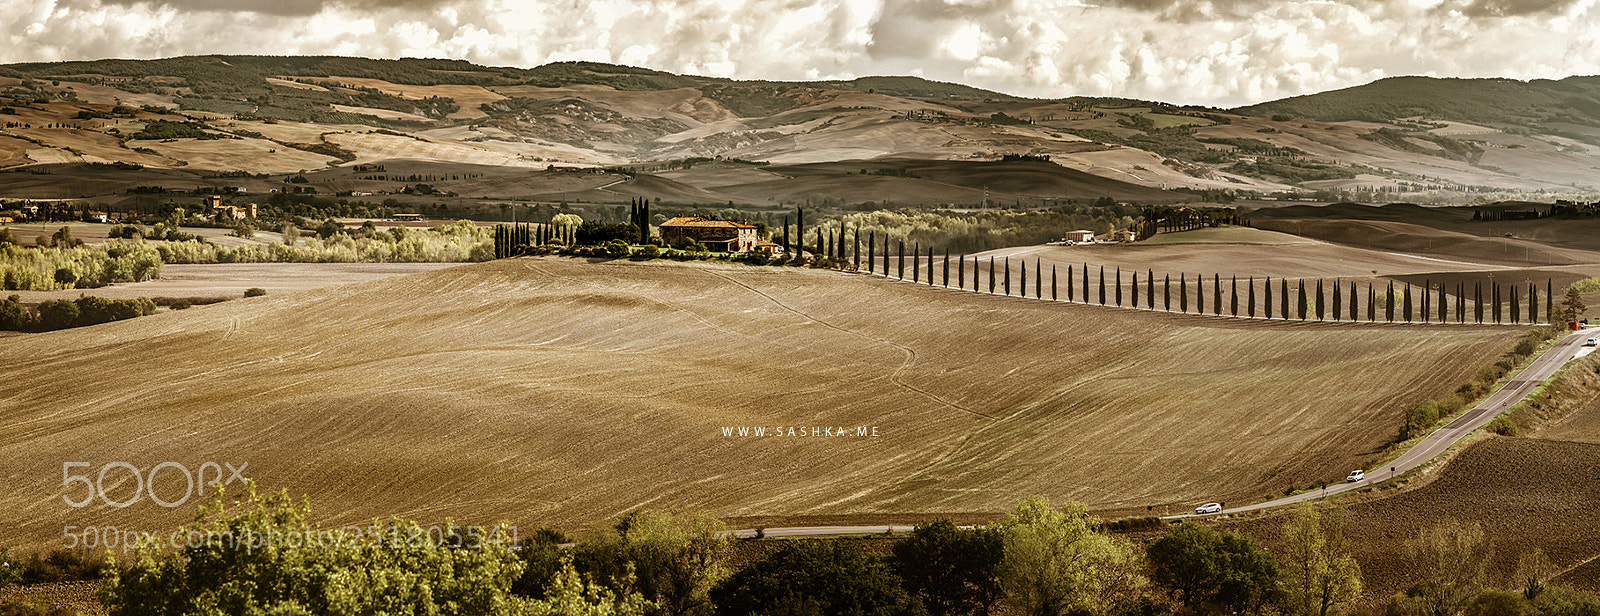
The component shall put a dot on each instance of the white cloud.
(1186, 51)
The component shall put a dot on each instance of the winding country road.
(1430, 447)
(1440, 441)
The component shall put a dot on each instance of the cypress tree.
(1150, 289)
(1283, 299)
(947, 266)
(1319, 300)
(872, 242)
(1102, 285)
(1388, 303)
(930, 265)
(1495, 288)
(1053, 287)
(1250, 301)
(1038, 281)
(1216, 294)
(1069, 283)
(1533, 303)
(991, 274)
(800, 236)
(1008, 274)
(1133, 290)
(900, 261)
(1337, 305)
(1408, 302)
(1477, 301)
(1023, 279)
(1461, 302)
(975, 269)
(1166, 286)
(1355, 299)
(1266, 299)
(1085, 283)
(1549, 300)
(1183, 292)
(855, 247)
(1516, 306)
(961, 272)
(1444, 304)
(1119, 287)
(1300, 289)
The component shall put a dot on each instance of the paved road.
(804, 531)
(1431, 446)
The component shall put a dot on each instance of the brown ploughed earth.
(551, 391)
(1537, 491)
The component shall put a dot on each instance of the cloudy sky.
(1183, 51)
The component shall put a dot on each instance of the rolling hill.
(280, 116)
(551, 391)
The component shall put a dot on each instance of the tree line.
(1284, 298)
(262, 554)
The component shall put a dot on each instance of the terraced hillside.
(554, 391)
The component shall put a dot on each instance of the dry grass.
(548, 391)
(253, 155)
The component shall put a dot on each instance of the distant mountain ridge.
(1574, 100)
(271, 115)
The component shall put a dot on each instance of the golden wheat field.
(553, 391)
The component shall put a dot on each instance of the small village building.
(716, 235)
(1080, 236)
(407, 218)
(769, 247)
(230, 211)
(1125, 235)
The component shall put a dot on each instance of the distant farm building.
(769, 247)
(717, 235)
(1080, 236)
(230, 211)
(408, 218)
(1125, 235)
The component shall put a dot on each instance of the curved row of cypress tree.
(1264, 298)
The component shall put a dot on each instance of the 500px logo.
(144, 484)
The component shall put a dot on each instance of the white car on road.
(1208, 508)
(1355, 475)
(1592, 342)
